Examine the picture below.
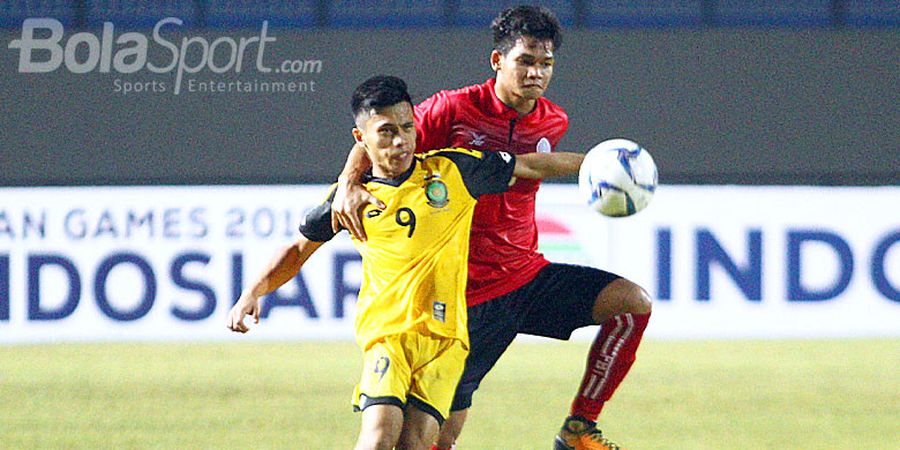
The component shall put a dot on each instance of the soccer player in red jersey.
(511, 287)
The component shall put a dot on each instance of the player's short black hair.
(378, 92)
(525, 21)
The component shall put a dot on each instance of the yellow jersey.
(415, 261)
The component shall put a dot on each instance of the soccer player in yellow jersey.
(411, 315)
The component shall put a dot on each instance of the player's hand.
(248, 304)
(350, 198)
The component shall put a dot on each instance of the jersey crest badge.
(543, 145)
(477, 139)
(436, 193)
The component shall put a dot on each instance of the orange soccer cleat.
(580, 434)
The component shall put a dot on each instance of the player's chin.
(532, 92)
(400, 162)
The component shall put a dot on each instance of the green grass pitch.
(722, 395)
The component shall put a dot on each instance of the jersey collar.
(495, 107)
(396, 181)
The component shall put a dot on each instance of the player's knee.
(621, 297)
(639, 300)
(415, 440)
(376, 440)
(449, 436)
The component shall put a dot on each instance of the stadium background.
(748, 92)
(775, 126)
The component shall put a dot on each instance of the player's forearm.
(546, 165)
(357, 164)
(283, 267)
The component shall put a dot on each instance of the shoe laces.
(597, 436)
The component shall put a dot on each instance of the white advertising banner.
(166, 263)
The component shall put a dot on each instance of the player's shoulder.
(550, 118)
(453, 153)
(466, 94)
(466, 160)
(315, 224)
(552, 109)
(462, 159)
(465, 91)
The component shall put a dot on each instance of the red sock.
(611, 355)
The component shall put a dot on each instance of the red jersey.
(503, 244)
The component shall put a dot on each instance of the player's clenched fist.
(248, 304)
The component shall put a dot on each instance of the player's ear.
(496, 56)
(357, 134)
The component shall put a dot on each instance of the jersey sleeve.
(433, 118)
(315, 225)
(483, 172)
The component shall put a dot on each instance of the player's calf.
(623, 311)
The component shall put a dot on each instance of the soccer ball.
(617, 178)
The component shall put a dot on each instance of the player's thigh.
(492, 327)
(386, 374)
(381, 427)
(562, 299)
(436, 375)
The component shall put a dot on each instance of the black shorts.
(559, 300)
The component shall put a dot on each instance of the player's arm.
(351, 196)
(315, 230)
(495, 172)
(281, 269)
(545, 165)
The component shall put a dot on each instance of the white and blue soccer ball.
(617, 178)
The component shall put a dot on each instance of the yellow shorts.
(412, 368)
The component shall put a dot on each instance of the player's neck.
(386, 173)
(522, 105)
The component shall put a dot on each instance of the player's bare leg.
(620, 297)
(419, 430)
(381, 426)
(623, 309)
(451, 430)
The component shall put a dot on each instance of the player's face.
(389, 135)
(525, 70)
